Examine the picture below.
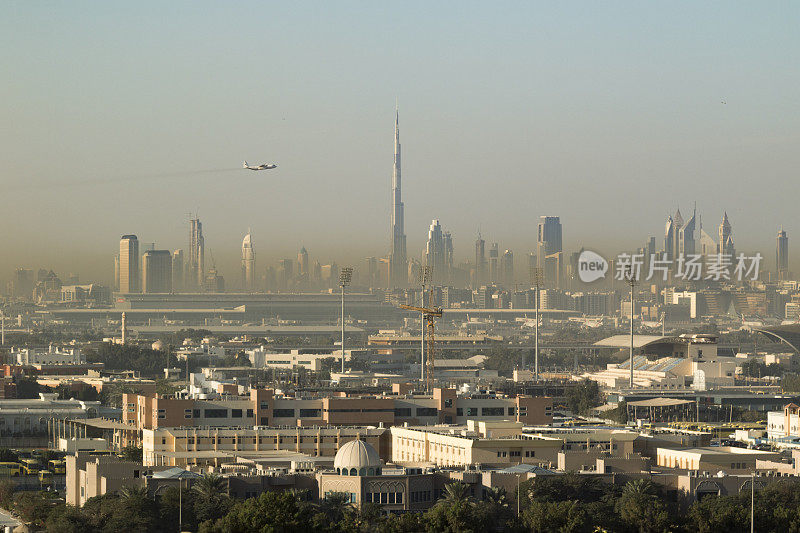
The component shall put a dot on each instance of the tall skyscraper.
(302, 263)
(782, 255)
(129, 264)
(248, 263)
(435, 253)
(398, 263)
(480, 261)
(548, 238)
(494, 263)
(448, 256)
(687, 240)
(116, 272)
(725, 244)
(157, 271)
(508, 269)
(669, 239)
(196, 274)
(177, 270)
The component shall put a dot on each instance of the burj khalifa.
(398, 265)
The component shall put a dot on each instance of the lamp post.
(752, 502)
(631, 278)
(344, 280)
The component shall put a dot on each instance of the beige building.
(181, 446)
(723, 458)
(484, 443)
(90, 475)
(264, 407)
(359, 472)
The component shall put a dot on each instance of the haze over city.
(127, 118)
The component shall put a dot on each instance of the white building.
(52, 356)
(262, 358)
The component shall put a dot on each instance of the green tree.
(583, 396)
(271, 512)
(132, 453)
(567, 516)
(211, 501)
(641, 508)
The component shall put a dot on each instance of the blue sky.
(608, 114)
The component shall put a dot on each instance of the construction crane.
(429, 314)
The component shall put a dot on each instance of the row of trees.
(568, 503)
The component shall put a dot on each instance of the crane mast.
(429, 315)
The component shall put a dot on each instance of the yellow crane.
(430, 314)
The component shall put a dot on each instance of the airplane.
(263, 166)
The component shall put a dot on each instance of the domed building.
(357, 458)
(157, 346)
(359, 472)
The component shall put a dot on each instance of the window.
(472, 411)
(402, 412)
(492, 411)
(196, 413)
(511, 411)
(368, 497)
(283, 413)
(215, 413)
(249, 413)
(515, 453)
(310, 413)
(459, 411)
(136, 474)
(263, 405)
(427, 411)
(236, 413)
(448, 402)
(398, 497)
(264, 421)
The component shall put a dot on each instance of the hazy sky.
(124, 117)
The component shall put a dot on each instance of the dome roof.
(356, 454)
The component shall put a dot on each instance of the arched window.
(353, 472)
(338, 471)
(362, 471)
(371, 471)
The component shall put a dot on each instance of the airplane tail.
(244, 165)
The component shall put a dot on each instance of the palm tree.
(133, 492)
(335, 505)
(210, 487)
(456, 492)
(497, 496)
(639, 487)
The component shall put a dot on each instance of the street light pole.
(632, 282)
(752, 502)
(344, 279)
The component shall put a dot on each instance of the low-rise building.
(265, 407)
(713, 459)
(182, 446)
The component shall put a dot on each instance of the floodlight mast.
(631, 279)
(537, 279)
